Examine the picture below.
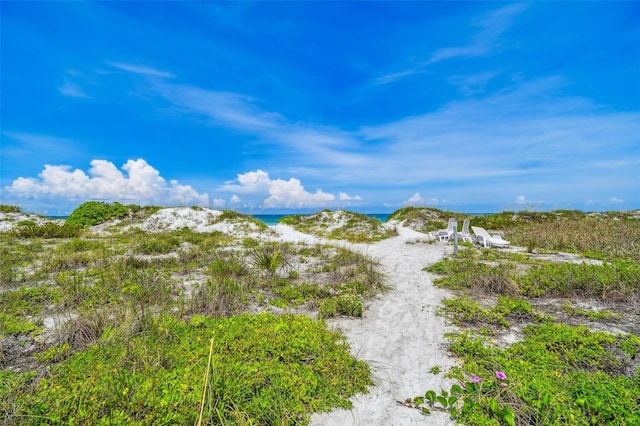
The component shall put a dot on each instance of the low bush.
(6, 208)
(558, 375)
(347, 304)
(259, 369)
(47, 230)
(96, 212)
(618, 280)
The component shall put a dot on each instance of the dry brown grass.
(597, 236)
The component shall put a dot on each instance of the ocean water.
(272, 219)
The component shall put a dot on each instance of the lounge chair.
(465, 235)
(447, 234)
(483, 238)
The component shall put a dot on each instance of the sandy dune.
(399, 336)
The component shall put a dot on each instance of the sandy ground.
(400, 336)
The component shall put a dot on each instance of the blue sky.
(271, 107)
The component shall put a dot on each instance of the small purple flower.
(500, 375)
(476, 379)
(503, 385)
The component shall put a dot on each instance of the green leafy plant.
(347, 304)
(592, 315)
(259, 368)
(96, 212)
(269, 259)
(492, 398)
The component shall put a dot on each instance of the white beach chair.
(465, 235)
(483, 238)
(447, 234)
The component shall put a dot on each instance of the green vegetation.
(47, 230)
(424, 219)
(152, 328)
(264, 369)
(557, 373)
(606, 236)
(617, 281)
(134, 312)
(5, 208)
(96, 212)
(239, 217)
(347, 304)
(340, 225)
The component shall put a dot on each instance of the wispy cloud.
(72, 89)
(526, 137)
(492, 26)
(140, 69)
(325, 144)
(483, 42)
(528, 132)
(473, 84)
(35, 145)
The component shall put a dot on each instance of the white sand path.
(400, 336)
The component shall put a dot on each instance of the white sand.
(400, 336)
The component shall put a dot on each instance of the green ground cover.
(576, 355)
(134, 314)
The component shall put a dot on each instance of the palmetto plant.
(268, 259)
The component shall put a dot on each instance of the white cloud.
(520, 199)
(218, 203)
(417, 199)
(279, 193)
(343, 196)
(310, 143)
(142, 184)
(250, 182)
(234, 199)
(291, 194)
(414, 200)
(616, 200)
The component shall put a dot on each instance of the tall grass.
(600, 236)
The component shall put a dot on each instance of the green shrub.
(161, 244)
(347, 304)
(424, 219)
(47, 230)
(14, 325)
(5, 208)
(96, 212)
(230, 266)
(55, 353)
(295, 294)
